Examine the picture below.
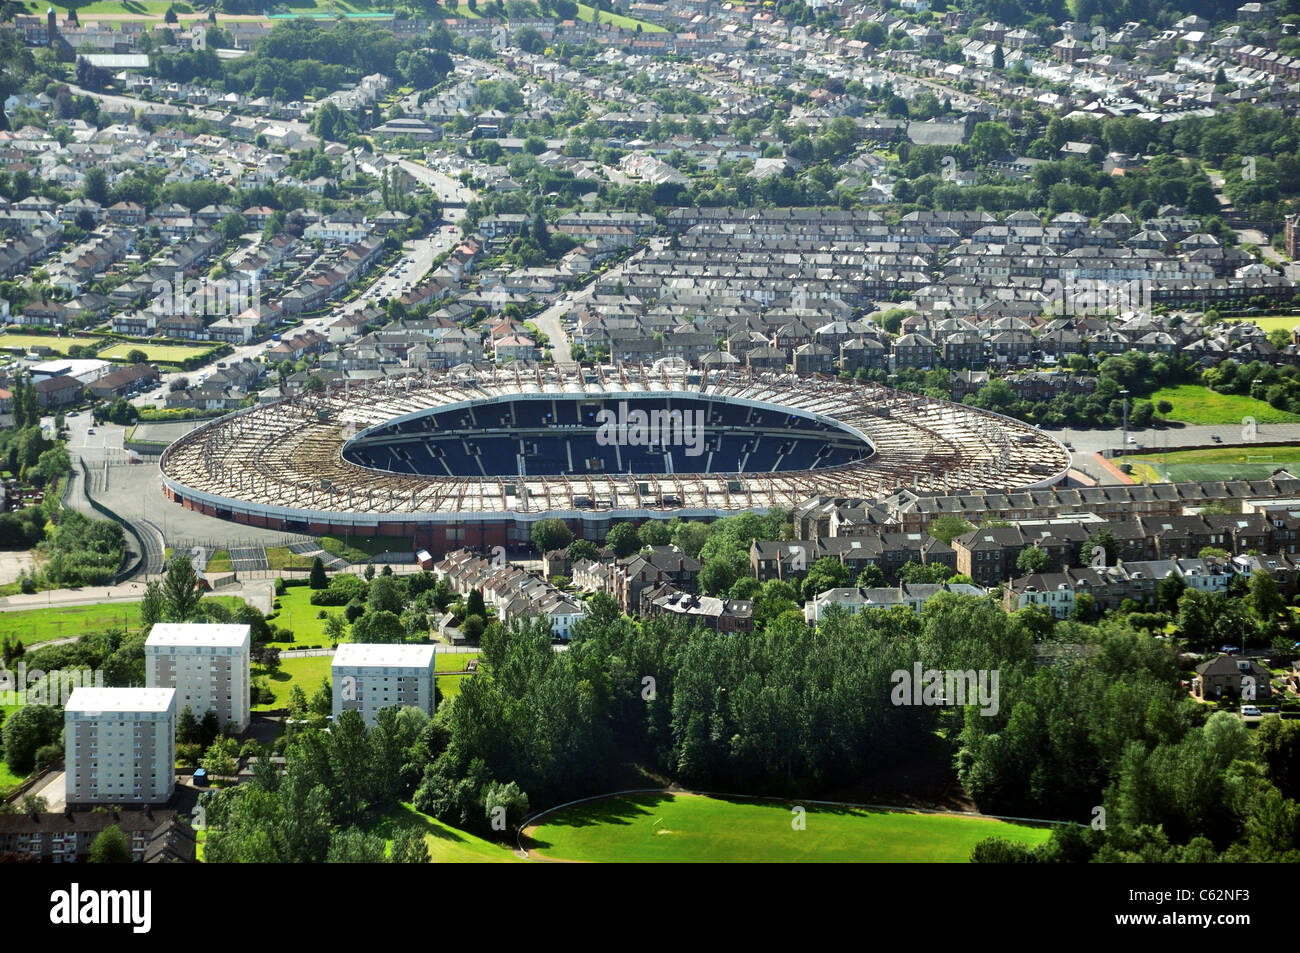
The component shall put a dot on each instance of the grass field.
(627, 23)
(59, 345)
(300, 616)
(306, 671)
(357, 549)
(449, 685)
(282, 557)
(1194, 404)
(1219, 463)
(447, 845)
(40, 625)
(451, 661)
(8, 780)
(691, 828)
(160, 353)
(1284, 321)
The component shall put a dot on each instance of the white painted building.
(369, 677)
(208, 665)
(120, 745)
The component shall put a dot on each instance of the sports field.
(1285, 322)
(1218, 463)
(1194, 404)
(58, 345)
(694, 829)
(159, 353)
(588, 13)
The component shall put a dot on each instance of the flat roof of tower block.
(93, 700)
(378, 655)
(198, 633)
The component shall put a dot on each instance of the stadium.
(474, 458)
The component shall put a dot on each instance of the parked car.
(1250, 711)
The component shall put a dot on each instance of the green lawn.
(357, 549)
(40, 625)
(1284, 321)
(58, 345)
(447, 845)
(449, 686)
(451, 661)
(299, 615)
(1194, 404)
(691, 828)
(219, 561)
(1218, 463)
(306, 671)
(8, 780)
(158, 353)
(282, 557)
(627, 23)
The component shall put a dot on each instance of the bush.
(47, 755)
(279, 587)
(354, 610)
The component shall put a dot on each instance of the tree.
(187, 726)
(1104, 539)
(551, 534)
(318, 579)
(623, 540)
(153, 606)
(583, 549)
(872, 577)
(110, 847)
(322, 700)
(948, 528)
(1266, 603)
(209, 728)
(219, 759)
(381, 627)
(505, 802)
(136, 356)
(170, 16)
(409, 847)
(1168, 591)
(180, 589)
(387, 594)
(354, 846)
(474, 604)
(1085, 607)
(33, 804)
(690, 536)
(717, 576)
(654, 533)
(28, 730)
(826, 573)
(1032, 560)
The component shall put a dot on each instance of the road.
(549, 322)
